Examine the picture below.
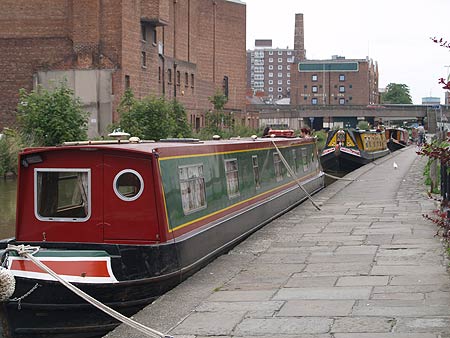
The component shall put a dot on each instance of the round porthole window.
(128, 185)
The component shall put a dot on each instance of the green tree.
(152, 118)
(396, 94)
(181, 126)
(52, 117)
(217, 120)
(149, 119)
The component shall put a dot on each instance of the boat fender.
(7, 284)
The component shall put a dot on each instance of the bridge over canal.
(319, 117)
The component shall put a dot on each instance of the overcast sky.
(394, 33)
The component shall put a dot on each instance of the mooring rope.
(24, 251)
(294, 176)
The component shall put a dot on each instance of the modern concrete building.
(174, 49)
(269, 68)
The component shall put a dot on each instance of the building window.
(288, 67)
(143, 32)
(288, 74)
(154, 36)
(341, 77)
(169, 75)
(270, 89)
(256, 171)
(280, 74)
(314, 89)
(192, 188)
(280, 96)
(314, 77)
(127, 82)
(270, 52)
(280, 89)
(186, 79)
(270, 67)
(280, 67)
(178, 77)
(314, 100)
(277, 167)
(270, 82)
(144, 60)
(350, 86)
(270, 74)
(305, 98)
(280, 52)
(289, 53)
(159, 74)
(305, 86)
(192, 80)
(280, 60)
(231, 173)
(341, 101)
(288, 82)
(280, 82)
(270, 59)
(341, 89)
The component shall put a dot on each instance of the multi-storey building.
(269, 69)
(337, 81)
(169, 48)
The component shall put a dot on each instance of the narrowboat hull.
(143, 272)
(339, 160)
(348, 150)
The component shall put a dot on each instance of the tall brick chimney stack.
(299, 38)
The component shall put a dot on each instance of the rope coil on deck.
(28, 252)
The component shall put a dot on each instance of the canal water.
(8, 192)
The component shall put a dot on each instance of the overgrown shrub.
(52, 117)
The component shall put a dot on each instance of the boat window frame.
(277, 167)
(228, 173)
(63, 219)
(256, 173)
(119, 194)
(190, 179)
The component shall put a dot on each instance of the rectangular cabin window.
(62, 195)
(294, 160)
(232, 175)
(305, 160)
(192, 187)
(256, 171)
(277, 167)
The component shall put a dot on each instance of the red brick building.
(338, 81)
(171, 48)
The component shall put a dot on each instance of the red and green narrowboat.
(397, 138)
(125, 222)
(348, 149)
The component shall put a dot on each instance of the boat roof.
(169, 147)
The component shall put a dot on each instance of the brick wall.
(204, 39)
(361, 87)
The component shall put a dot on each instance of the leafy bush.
(10, 145)
(52, 117)
(321, 138)
(152, 118)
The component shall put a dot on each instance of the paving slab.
(368, 265)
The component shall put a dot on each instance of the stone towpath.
(367, 266)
